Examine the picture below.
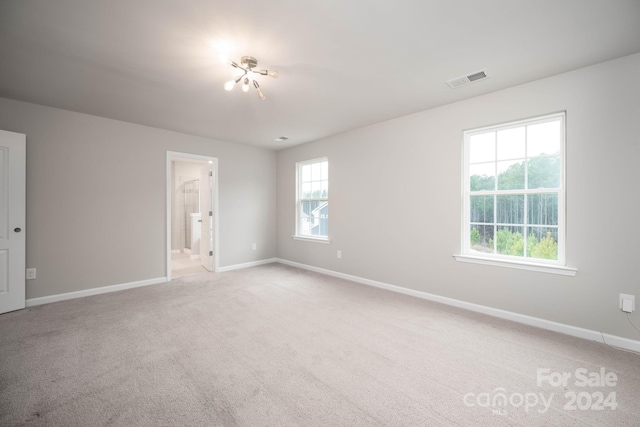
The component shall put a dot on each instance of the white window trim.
(547, 266)
(297, 235)
(522, 265)
(324, 240)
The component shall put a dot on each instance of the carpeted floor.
(279, 346)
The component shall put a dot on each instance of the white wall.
(409, 169)
(96, 198)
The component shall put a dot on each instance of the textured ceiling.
(343, 64)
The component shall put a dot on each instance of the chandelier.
(247, 65)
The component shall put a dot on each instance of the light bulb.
(231, 83)
(260, 94)
(273, 73)
(245, 85)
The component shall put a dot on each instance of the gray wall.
(96, 198)
(395, 200)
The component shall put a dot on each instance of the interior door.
(206, 210)
(13, 166)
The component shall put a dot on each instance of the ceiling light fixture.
(247, 65)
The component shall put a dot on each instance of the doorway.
(192, 214)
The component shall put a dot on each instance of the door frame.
(177, 156)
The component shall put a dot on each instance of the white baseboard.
(575, 331)
(176, 251)
(113, 288)
(247, 265)
(95, 291)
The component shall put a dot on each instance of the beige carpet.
(278, 346)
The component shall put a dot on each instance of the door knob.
(17, 229)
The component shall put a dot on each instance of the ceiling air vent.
(469, 78)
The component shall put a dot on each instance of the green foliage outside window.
(475, 237)
(512, 243)
(546, 248)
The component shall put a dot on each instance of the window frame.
(299, 200)
(469, 255)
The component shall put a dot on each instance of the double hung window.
(513, 198)
(312, 204)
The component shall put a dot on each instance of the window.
(514, 191)
(312, 205)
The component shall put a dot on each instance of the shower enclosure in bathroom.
(191, 210)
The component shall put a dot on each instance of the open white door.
(206, 210)
(13, 166)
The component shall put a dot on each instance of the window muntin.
(312, 204)
(514, 191)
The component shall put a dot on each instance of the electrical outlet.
(31, 274)
(339, 254)
(627, 303)
(254, 246)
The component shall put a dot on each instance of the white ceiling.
(343, 63)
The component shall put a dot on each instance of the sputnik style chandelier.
(247, 65)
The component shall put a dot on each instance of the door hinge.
(210, 253)
(210, 213)
(210, 173)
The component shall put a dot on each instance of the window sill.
(326, 241)
(544, 268)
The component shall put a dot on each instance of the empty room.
(319, 213)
